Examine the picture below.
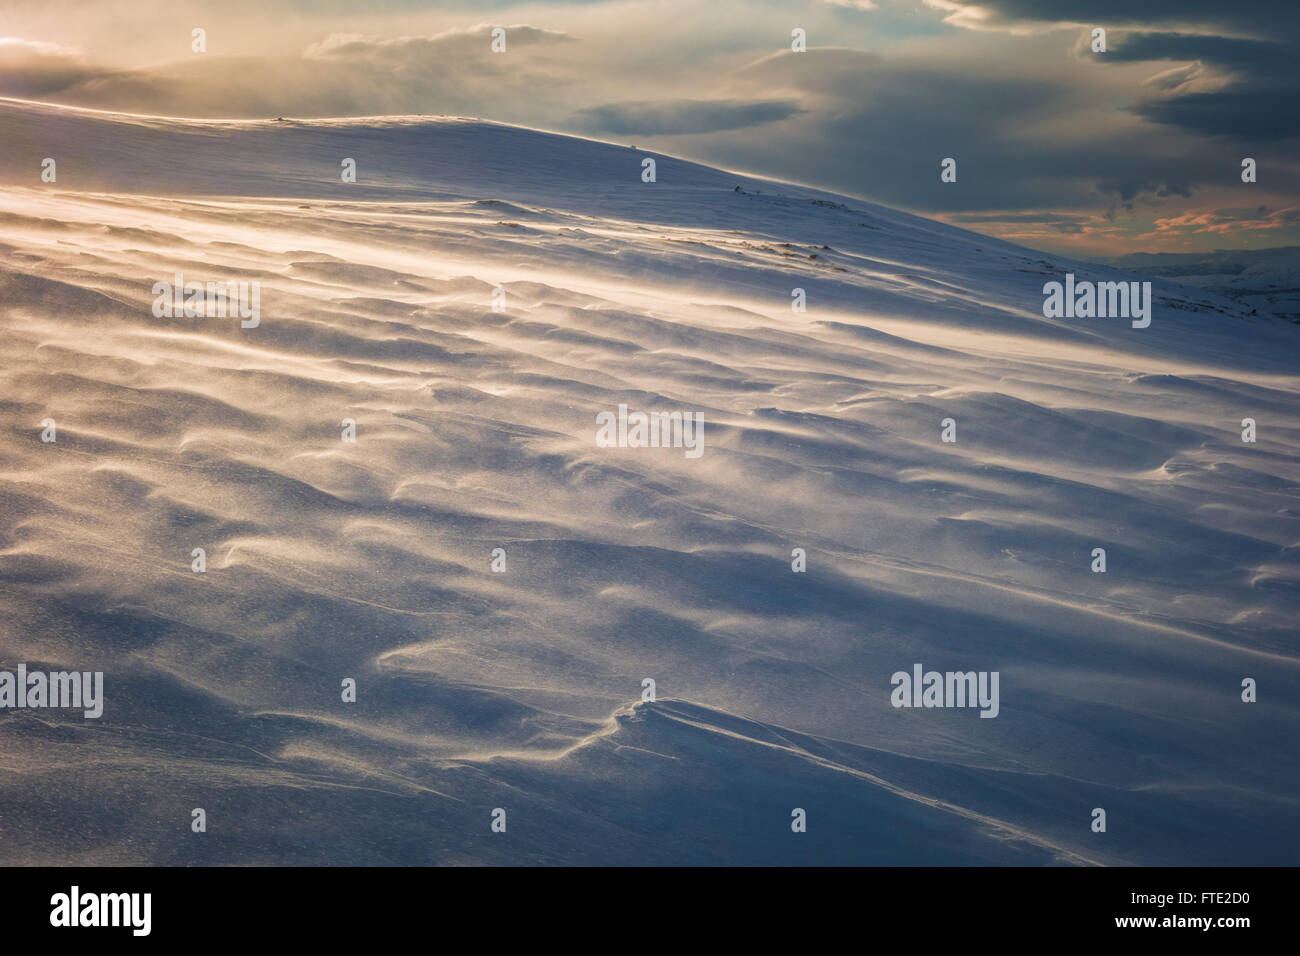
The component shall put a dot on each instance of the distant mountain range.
(1267, 280)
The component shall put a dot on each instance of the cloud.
(453, 72)
(1051, 147)
(1237, 53)
(1243, 115)
(406, 50)
(1258, 77)
(31, 69)
(681, 117)
(1240, 18)
(1129, 189)
(1046, 227)
(1047, 218)
(1176, 79)
(1224, 222)
(1232, 87)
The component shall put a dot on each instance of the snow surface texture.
(476, 430)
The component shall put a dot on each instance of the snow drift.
(521, 690)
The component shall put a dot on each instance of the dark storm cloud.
(1263, 57)
(1260, 97)
(879, 128)
(1255, 49)
(1246, 18)
(1129, 189)
(1245, 115)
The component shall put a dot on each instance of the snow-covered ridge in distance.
(476, 430)
(1262, 280)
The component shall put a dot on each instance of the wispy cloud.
(683, 117)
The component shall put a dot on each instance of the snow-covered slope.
(476, 430)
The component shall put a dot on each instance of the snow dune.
(476, 430)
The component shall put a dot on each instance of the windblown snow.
(475, 430)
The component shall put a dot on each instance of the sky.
(1135, 149)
